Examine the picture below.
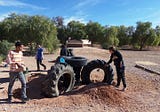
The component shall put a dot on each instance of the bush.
(105, 46)
(5, 46)
(1, 58)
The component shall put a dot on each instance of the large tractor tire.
(97, 64)
(60, 79)
(74, 61)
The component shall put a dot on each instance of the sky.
(105, 12)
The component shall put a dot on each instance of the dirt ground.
(142, 94)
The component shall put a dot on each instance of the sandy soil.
(142, 94)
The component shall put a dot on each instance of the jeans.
(39, 62)
(21, 77)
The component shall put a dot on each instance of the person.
(116, 56)
(16, 71)
(39, 58)
(64, 51)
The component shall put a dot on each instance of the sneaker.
(124, 89)
(117, 87)
(24, 100)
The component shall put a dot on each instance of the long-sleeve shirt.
(15, 59)
(63, 52)
(39, 54)
(117, 58)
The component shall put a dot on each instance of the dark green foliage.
(94, 32)
(5, 46)
(30, 29)
(48, 32)
(144, 35)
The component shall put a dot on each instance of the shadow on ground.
(33, 87)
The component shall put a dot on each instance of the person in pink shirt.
(16, 71)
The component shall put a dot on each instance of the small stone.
(5, 109)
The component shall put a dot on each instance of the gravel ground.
(142, 94)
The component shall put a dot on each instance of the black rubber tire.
(94, 64)
(74, 61)
(59, 74)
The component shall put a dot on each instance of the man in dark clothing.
(39, 58)
(119, 64)
(64, 51)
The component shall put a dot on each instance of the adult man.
(16, 71)
(39, 58)
(119, 64)
(64, 51)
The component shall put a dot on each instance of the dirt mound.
(102, 93)
(84, 94)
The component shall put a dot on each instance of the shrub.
(5, 46)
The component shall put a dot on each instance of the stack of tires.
(63, 75)
(67, 70)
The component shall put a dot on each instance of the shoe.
(124, 89)
(24, 100)
(117, 87)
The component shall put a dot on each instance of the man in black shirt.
(63, 51)
(119, 64)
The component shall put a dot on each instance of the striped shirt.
(13, 58)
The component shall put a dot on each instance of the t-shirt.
(13, 58)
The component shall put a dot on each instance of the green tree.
(144, 35)
(58, 21)
(62, 32)
(122, 36)
(94, 32)
(5, 46)
(76, 30)
(30, 29)
(110, 35)
(130, 31)
(156, 42)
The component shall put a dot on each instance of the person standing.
(16, 71)
(119, 64)
(39, 58)
(63, 51)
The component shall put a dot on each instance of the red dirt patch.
(83, 94)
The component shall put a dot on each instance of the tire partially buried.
(60, 79)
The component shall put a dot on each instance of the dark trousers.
(39, 62)
(21, 77)
(77, 71)
(120, 76)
